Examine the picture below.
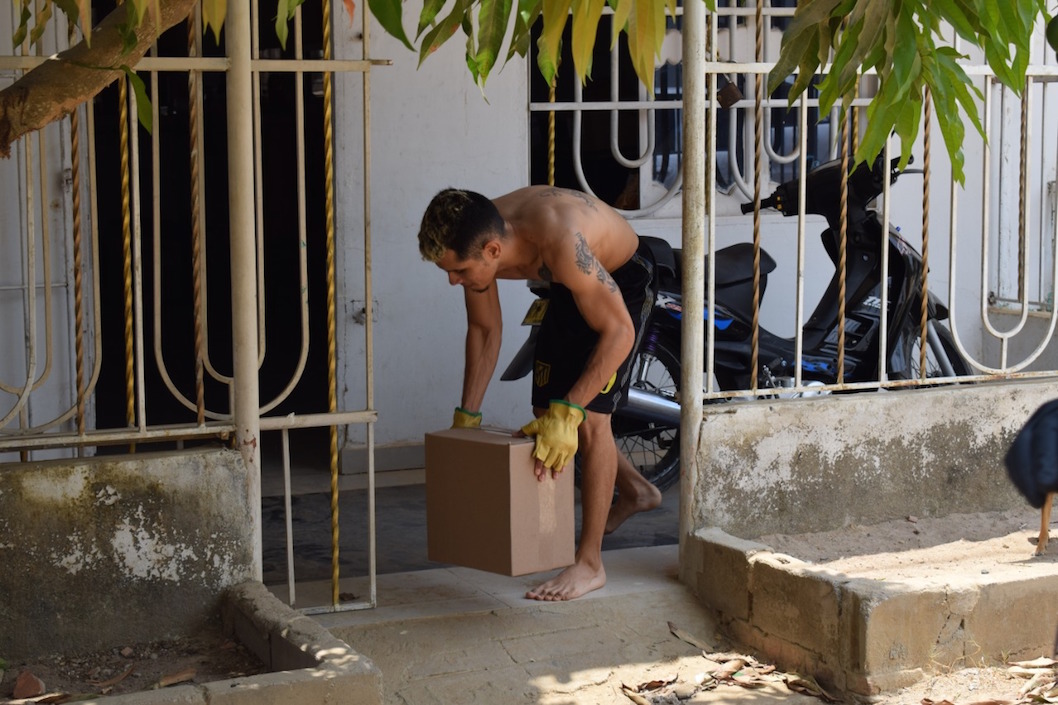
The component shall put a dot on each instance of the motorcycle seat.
(734, 264)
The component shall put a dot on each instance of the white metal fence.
(988, 246)
(178, 286)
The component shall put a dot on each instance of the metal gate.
(177, 286)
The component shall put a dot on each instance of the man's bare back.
(542, 215)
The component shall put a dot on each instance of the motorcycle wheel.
(933, 367)
(653, 448)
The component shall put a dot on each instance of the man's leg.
(634, 494)
(598, 472)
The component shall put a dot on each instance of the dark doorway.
(282, 243)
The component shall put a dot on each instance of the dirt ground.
(926, 548)
(918, 546)
(207, 657)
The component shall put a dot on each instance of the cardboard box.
(485, 508)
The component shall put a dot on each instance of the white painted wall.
(431, 128)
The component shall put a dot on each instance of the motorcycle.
(646, 424)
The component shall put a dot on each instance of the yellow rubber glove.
(465, 419)
(556, 433)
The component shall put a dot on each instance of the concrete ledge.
(867, 635)
(309, 664)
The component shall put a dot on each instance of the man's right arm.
(484, 333)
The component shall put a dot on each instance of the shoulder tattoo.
(587, 263)
(555, 192)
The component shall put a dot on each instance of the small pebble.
(984, 571)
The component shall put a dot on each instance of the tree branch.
(55, 88)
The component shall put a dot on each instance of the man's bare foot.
(576, 580)
(646, 498)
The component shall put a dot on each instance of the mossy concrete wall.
(817, 464)
(107, 551)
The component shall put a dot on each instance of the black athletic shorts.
(565, 341)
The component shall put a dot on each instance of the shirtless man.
(599, 277)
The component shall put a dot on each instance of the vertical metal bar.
(710, 194)
(758, 177)
(126, 244)
(694, 195)
(194, 158)
(802, 195)
(45, 262)
(369, 335)
(291, 598)
(246, 392)
(78, 278)
(259, 179)
(137, 270)
(927, 132)
(883, 327)
(332, 363)
(843, 237)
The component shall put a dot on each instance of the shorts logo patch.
(609, 385)
(541, 374)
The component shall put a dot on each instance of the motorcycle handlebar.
(824, 182)
(769, 202)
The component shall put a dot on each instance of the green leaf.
(40, 22)
(586, 15)
(960, 84)
(906, 63)
(643, 40)
(23, 25)
(493, 18)
(555, 13)
(281, 23)
(807, 69)
(1010, 24)
(801, 35)
(389, 15)
(955, 13)
(284, 13)
(428, 15)
(528, 12)
(213, 15)
(143, 102)
(443, 31)
(621, 10)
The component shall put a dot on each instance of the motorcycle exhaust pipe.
(651, 407)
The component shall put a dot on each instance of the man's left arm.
(600, 302)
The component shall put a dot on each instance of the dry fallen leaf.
(806, 685)
(729, 669)
(633, 696)
(689, 638)
(1041, 662)
(653, 685)
(174, 678)
(115, 680)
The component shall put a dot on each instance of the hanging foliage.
(903, 42)
(487, 24)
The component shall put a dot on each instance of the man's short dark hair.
(460, 221)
